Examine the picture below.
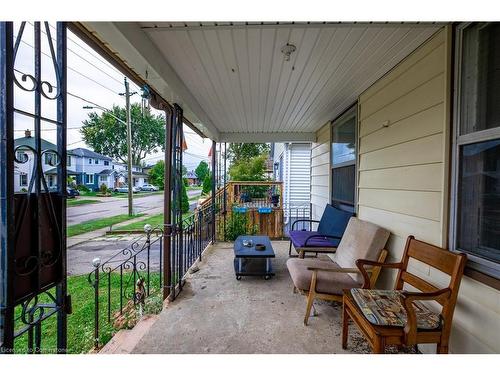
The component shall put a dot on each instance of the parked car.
(149, 187)
(124, 189)
(72, 192)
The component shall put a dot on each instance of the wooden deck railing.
(260, 201)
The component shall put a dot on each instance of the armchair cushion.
(299, 237)
(333, 221)
(361, 240)
(326, 282)
(384, 307)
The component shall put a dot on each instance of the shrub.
(103, 189)
(237, 225)
(207, 185)
(185, 200)
(83, 188)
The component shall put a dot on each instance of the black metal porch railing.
(188, 241)
(128, 277)
(123, 283)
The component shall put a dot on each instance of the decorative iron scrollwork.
(34, 226)
(45, 88)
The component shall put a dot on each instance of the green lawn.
(79, 202)
(193, 188)
(154, 221)
(81, 321)
(88, 226)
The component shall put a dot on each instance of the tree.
(207, 184)
(252, 169)
(242, 151)
(108, 136)
(157, 177)
(202, 170)
(157, 174)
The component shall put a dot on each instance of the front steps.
(124, 341)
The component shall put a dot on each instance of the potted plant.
(275, 197)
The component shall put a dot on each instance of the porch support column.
(61, 289)
(225, 189)
(214, 150)
(6, 188)
(167, 205)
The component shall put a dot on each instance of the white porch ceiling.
(234, 83)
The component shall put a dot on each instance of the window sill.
(483, 278)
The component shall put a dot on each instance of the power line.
(196, 156)
(74, 70)
(102, 108)
(45, 130)
(95, 55)
(80, 56)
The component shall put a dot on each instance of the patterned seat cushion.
(384, 307)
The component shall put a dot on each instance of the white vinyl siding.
(320, 171)
(300, 174)
(404, 140)
(295, 166)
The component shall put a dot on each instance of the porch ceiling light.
(287, 50)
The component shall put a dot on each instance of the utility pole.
(129, 148)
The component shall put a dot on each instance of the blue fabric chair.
(326, 238)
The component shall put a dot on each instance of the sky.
(90, 78)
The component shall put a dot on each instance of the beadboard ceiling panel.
(235, 82)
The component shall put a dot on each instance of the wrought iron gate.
(32, 186)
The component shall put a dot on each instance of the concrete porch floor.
(215, 313)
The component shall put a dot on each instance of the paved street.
(117, 206)
(80, 257)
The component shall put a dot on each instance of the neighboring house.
(292, 166)
(23, 171)
(192, 179)
(92, 169)
(139, 176)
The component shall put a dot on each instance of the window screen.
(343, 161)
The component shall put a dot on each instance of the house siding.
(403, 174)
(300, 174)
(320, 172)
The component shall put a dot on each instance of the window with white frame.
(90, 161)
(50, 158)
(22, 156)
(343, 160)
(106, 162)
(103, 178)
(90, 179)
(23, 179)
(96, 161)
(476, 161)
(68, 163)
